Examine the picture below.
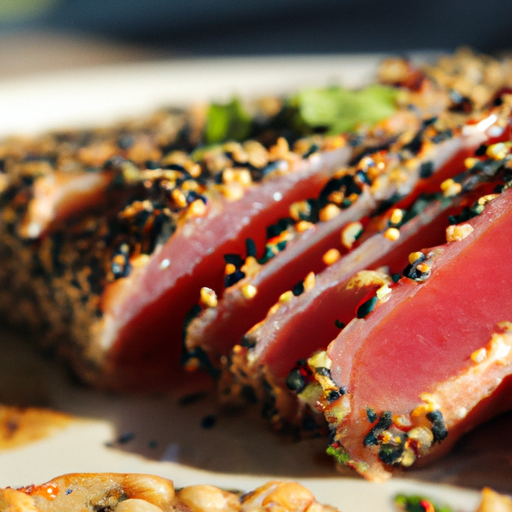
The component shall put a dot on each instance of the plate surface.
(161, 434)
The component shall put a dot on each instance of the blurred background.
(44, 35)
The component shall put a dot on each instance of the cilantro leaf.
(337, 109)
(227, 122)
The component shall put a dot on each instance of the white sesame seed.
(34, 230)
(496, 131)
(165, 264)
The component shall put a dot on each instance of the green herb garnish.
(337, 109)
(325, 110)
(414, 503)
(338, 453)
(227, 122)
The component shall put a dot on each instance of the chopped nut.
(303, 225)
(415, 256)
(309, 281)
(249, 291)
(329, 212)
(450, 188)
(498, 151)
(197, 208)
(396, 216)
(479, 355)
(470, 162)
(458, 233)
(331, 256)
(350, 234)
(286, 296)
(208, 297)
(392, 234)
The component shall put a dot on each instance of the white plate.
(165, 438)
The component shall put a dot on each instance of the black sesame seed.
(333, 395)
(371, 414)
(442, 135)
(370, 150)
(396, 277)
(192, 398)
(370, 439)
(296, 381)
(75, 283)
(281, 246)
(298, 289)
(126, 437)
(439, 429)
(426, 169)
(273, 166)
(233, 259)
(390, 454)
(114, 164)
(231, 279)
(481, 150)
(321, 370)
(363, 177)
(176, 167)
(249, 394)
(339, 324)
(367, 307)
(152, 164)
(412, 271)
(246, 342)
(269, 254)
(276, 229)
(125, 141)
(194, 196)
(312, 149)
(250, 247)
(356, 140)
(416, 142)
(430, 121)
(385, 421)
(208, 421)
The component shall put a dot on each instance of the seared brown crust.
(146, 493)
(250, 373)
(80, 210)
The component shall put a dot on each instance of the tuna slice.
(434, 359)
(302, 325)
(139, 335)
(109, 285)
(217, 329)
(108, 256)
